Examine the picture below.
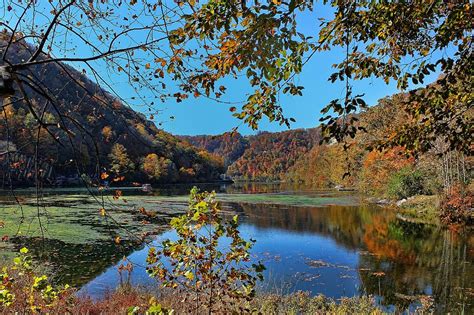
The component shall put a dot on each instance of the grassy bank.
(421, 209)
(452, 209)
(297, 303)
(133, 300)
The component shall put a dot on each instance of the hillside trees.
(159, 168)
(230, 145)
(390, 172)
(119, 160)
(270, 155)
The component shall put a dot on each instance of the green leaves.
(6, 297)
(196, 263)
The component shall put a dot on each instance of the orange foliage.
(378, 166)
(378, 242)
(457, 206)
(107, 133)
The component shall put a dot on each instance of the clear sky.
(203, 116)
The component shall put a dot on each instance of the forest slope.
(264, 156)
(95, 132)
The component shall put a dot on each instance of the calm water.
(334, 250)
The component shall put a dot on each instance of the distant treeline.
(297, 156)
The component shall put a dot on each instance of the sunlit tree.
(119, 160)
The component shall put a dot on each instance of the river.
(324, 242)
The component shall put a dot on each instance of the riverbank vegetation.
(392, 173)
(23, 290)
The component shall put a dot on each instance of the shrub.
(22, 291)
(405, 183)
(200, 272)
(457, 206)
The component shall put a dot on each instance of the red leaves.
(456, 205)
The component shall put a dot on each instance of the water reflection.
(346, 251)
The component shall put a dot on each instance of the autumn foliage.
(457, 206)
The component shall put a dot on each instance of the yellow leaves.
(201, 205)
(117, 240)
(102, 212)
(425, 51)
(189, 275)
(276, 2)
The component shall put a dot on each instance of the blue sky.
(204, 116)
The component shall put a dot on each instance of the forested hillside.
(270, 155)
(230, 145)
(265, 156)
(387, 172)
(87, 131)
(297, 156)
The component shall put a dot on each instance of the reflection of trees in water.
(453, 274)
(75, 264)
(417, 260)
(256, 187)
(344, 224)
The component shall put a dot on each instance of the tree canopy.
(197, 44)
